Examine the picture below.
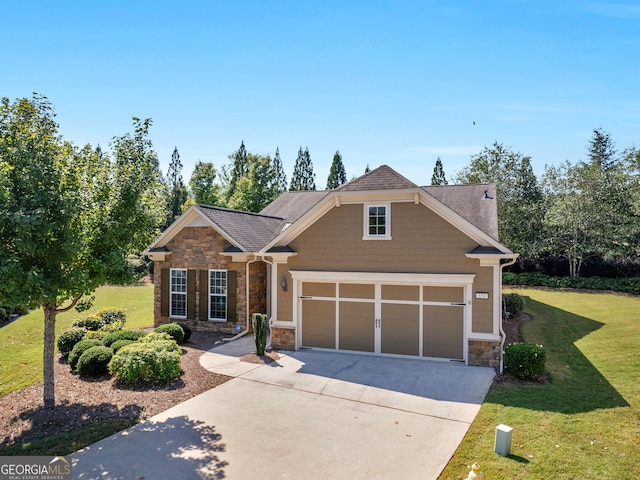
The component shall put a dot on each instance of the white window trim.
(172, 293)
(209, 295)
(365, 223)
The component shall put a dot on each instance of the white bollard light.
(502, 445)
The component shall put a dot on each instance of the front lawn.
(22, 341)
(583, 423)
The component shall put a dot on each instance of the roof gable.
(381, 178)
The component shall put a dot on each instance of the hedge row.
(624, 285)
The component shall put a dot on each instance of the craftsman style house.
(378, 265)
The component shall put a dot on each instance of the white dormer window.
(377, 221)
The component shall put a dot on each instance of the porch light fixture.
(283, 283)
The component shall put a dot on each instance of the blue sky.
(385, 82)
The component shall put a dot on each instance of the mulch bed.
(84, 401)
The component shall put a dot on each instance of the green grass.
(583, 423)
(21, 342)
(67, 443)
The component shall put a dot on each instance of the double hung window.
(377, 224)
(218, 295)
(178, 293)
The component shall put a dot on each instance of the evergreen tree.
(303, 177)
(177, 190)
(367, 169)
(239, 169)
(602, 149)
(280, 177)
(438, 177)
(337, 173)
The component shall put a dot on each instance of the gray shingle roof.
(474, 203)
(251, 230)
(381, 178)
(292, 205)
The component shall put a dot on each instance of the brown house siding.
(198, 249)
(422, 242)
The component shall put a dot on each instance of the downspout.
(269, 282)
(503, 335)
(244, 332)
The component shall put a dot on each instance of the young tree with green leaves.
(69, 217)
(280, 178)
(438, 177)
(303, 177)
(257, 189)
(337, 173)
(203, 184)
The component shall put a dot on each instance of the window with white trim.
(178, 293)
(377, 221)
(218, 295)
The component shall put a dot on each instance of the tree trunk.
(49, 347)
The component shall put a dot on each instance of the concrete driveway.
(310, 415)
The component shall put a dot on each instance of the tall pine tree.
(239, 169)
(337, 173)
(280, 178)
(303, 177)
(177, 191)
(438, 177)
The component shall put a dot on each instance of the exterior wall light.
(283, 283)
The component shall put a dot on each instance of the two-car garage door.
(385, 316)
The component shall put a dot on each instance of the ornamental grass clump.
(525, 361)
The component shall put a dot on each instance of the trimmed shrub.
(514, 304)
(259, 323)
(94, 361)
(525, 360)
(625, 285)
(112, 337)
(90, 322)
(96, 334)
(68, 339)
(112, 315)
(79, 348)
(143, 361)
(155, 337)
(173, 329)
(118, 344)
(3, 314)
(186, 329)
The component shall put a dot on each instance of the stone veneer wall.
(484, 354)
(283, 338)
(198, 248)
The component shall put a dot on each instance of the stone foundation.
(283, 338)
(484, 354)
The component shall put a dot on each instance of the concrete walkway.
(310, 415)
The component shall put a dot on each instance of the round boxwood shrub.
(90, 322)
(514, 304)
(142, 362)
(118, 344)
(112, 315)
(186, 329)
(68, 339)
(94, 361)
(79, 348)
(173, 329)
(112, 337)
(525, 360)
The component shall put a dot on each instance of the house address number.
(482, 295)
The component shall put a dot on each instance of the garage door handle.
(459, 304)
(302, 298)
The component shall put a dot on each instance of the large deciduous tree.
(303, 177)
(69, 217)
(257, 189)
(337, 173)
(203, 184)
